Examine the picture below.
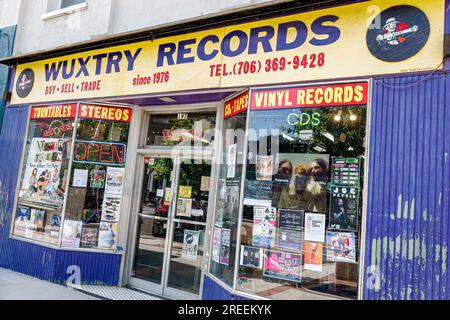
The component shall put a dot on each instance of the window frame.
(218, 159)
(58, 246)
(362, 240)
(57, 11)
(71, 5)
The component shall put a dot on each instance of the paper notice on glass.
(185, 192)
(80, 178)
(344, 204)
(225, 247)
(107, 236)
(98, 178)
(111, 207)
(168, 195)
(341, 246)
(264, 168)
(204, 183)
(231, 160)
(283, 265)
(160, 193)
(314, 227)
(313, 256)
(184, 207)
(197, 212)
(42, 176)
(264, 226)
(114, 180)
(251, 257)
(189, 251)
(71, 234)
(216, 244)
(257, 202)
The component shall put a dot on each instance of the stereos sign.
(85, 111)
(361, 39)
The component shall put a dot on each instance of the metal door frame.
(171, 220)
(133, 281)
(143, 151)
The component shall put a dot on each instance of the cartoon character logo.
(25, 83)
(395, 32)
(403, 33)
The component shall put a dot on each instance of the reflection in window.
(302, 203)
(186, 258)
(182, 129)
(44, 180)
(157, 187)
(69, 3)
(96, 183)
(228, 196)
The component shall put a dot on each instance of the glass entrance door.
(153, 222)
(172, 226)
(189, 227)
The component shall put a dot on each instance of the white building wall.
(42, 26)
(9, 12)
(150, 13)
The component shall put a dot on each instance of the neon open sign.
(102, 153)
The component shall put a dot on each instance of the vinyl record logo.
(25, 83)
(401, 33)
(189, 239)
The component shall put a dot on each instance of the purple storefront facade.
(406, 210)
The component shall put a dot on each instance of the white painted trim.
(182, 108)
(64, 11)
(69, 170)
(365, 195)
(128, 192)
(241, 195)
(55, 247)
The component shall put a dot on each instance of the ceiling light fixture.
(337, 118)
(168, 99)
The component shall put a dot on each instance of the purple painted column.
(447, 31)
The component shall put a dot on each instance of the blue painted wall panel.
(214, 291)
(35, 260)
(409, 185)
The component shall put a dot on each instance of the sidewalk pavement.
(16, 286)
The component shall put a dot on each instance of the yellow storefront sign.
(368, 38)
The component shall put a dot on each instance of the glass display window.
(73, 175)
(225, 229)
(45, 172)
(97, 177)
(302, 206)
(183, 129)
